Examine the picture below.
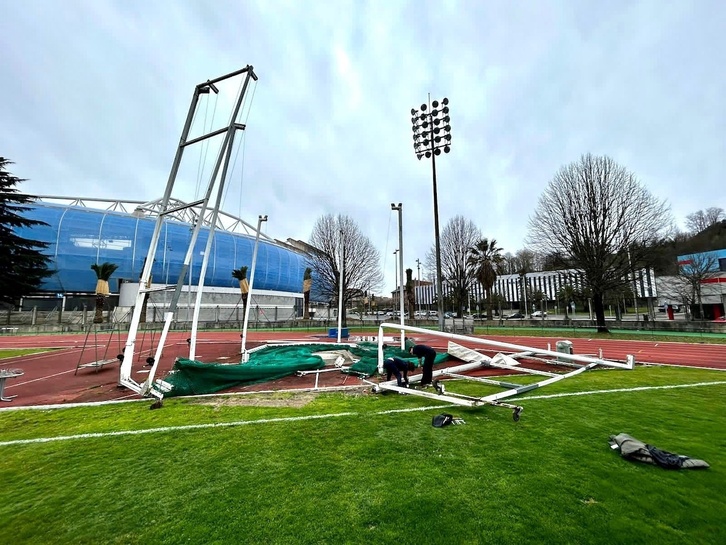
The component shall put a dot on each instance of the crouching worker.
(400, 368)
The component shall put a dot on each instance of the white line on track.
(322, 416)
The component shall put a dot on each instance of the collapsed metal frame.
(169, 206)
(581, 363)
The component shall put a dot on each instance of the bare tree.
(703, 219)
(339, 236)
(508, 264)
(457, 237)
(694, 271)
(597, 214)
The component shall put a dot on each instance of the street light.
(341, 280)
(399, 208)
(395, 278)
(431, 134)
(418, 288)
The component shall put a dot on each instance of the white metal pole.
(245, 354)
(340, 287)
(418, 287)
(208, 250)
(399, 208)
(395, 278)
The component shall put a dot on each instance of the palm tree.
(307, 286)
(484, 258)
(103, 273)
(244, 286)
(566, 295)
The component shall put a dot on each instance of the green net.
(192, 377)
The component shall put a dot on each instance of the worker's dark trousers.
(428, 369)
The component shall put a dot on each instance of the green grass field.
(364, 468)
(14, 352)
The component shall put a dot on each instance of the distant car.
(433, 313)
(449, 315)
(538, 314)
(515, 316)
(720, 320)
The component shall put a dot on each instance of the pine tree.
(23, 266)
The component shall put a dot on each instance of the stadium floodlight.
(432, 134)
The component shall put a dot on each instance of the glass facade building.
(78, 237)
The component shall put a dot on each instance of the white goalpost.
(475, 360)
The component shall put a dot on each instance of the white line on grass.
(620, 390)
(323, 416)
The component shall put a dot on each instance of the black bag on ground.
(444, 419)
(441, 420)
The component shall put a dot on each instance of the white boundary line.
(320, 416)
(218, 394)
(620, 390)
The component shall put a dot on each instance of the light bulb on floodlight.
(428, 155)
(445, 101)
(423, 107)
(413, 111)
(447, 149)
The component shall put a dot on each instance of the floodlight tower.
(431, 134)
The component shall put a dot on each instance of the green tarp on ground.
(192, 377)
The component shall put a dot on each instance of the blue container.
(333, 333)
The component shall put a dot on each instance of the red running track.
(51, 377)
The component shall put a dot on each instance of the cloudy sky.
(95, 94)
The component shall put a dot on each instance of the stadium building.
(83, 232)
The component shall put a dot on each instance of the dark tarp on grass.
(192, 377)
(632, 449)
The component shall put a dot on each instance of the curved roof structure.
(79, 236)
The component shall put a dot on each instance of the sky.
(95, 94)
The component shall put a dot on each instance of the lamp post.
(418, 287)
(395, 278)
(399, 208)
(431, 134)
(341, 280)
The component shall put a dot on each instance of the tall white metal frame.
(165, 209)
(245, 352)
